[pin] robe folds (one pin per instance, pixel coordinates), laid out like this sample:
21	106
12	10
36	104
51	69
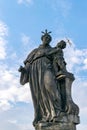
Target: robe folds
44	89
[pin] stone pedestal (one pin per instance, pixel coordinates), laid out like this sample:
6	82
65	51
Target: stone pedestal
58	126
66	123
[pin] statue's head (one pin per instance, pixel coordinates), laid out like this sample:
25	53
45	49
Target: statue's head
61	44
46	37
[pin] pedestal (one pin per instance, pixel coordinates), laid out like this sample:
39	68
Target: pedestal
67	123
58	126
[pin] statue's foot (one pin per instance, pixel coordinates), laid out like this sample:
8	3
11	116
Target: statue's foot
35	122
51	119
45	119
60	118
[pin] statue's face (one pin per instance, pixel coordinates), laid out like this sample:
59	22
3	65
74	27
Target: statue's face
46	40
63	46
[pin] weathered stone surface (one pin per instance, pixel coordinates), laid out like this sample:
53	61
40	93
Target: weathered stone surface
57	126
67	122
50	85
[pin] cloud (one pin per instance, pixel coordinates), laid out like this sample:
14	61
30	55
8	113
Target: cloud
4	105
10	89
18	118
12	121
26	127
85	64
27	44
3	29
3	41
65	7
26	2
76	58
62	6
79	94
82	127
25	39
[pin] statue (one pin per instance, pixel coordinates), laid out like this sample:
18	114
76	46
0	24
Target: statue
50	84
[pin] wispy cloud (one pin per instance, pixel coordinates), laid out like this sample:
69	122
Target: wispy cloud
26	127
10	89
5	105
81	127
12	121
25	39
3	29
3	41
65	7
26	2
85	63
76	58
27	44
62	6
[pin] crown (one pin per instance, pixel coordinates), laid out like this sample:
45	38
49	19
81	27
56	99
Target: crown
46	33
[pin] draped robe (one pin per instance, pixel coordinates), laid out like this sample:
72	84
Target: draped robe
44	89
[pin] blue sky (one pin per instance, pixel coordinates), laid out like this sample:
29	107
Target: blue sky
21	23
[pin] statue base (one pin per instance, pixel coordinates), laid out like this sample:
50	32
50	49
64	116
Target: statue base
67	123
57	126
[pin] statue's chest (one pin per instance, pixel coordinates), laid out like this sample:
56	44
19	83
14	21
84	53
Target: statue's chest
41	52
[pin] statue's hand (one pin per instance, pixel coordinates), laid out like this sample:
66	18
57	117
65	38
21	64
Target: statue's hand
21	69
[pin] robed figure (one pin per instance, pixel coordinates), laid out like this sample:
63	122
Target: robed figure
40	70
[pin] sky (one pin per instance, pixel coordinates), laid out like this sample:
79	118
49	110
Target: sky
21	23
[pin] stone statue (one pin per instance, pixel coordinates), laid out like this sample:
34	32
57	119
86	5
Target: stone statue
50	85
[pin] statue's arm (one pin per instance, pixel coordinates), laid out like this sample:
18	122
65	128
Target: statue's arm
53	51
24	77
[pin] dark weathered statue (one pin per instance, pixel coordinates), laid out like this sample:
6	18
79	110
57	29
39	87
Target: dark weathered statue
50	84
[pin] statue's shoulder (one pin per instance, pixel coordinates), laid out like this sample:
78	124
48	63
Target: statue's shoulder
31	55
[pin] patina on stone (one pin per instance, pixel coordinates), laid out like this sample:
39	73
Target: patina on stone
50	85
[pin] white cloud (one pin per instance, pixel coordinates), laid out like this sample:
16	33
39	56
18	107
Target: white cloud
11	89
27	44
26	127
79	92
4	105
3	29
3	41
64	6
12	121
85	64
26	2
76	59
82	127
25	39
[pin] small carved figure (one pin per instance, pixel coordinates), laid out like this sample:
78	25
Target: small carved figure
58	60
